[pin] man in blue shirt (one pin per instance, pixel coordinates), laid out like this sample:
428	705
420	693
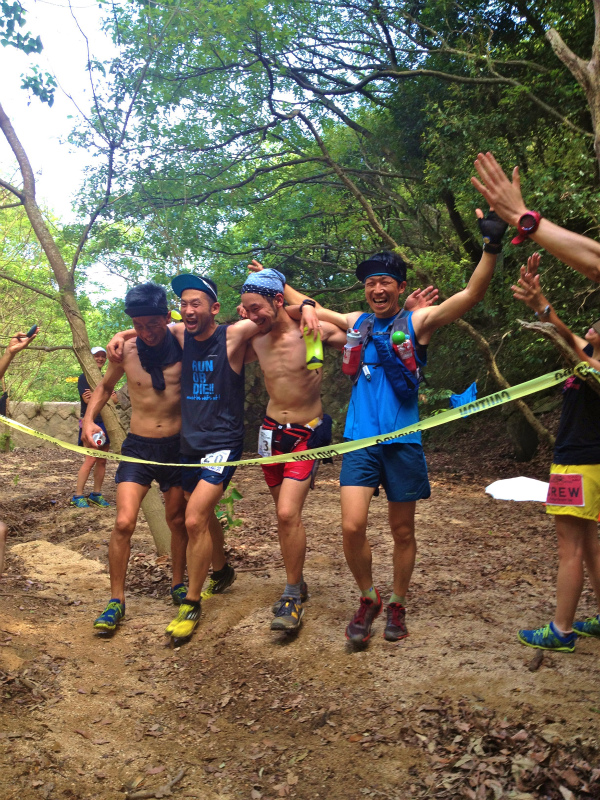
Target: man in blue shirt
378	407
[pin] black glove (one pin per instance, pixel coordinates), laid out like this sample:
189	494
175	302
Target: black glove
492	229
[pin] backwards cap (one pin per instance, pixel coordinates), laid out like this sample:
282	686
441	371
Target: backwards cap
189	281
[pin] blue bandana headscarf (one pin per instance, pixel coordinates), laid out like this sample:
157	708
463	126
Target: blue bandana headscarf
268	282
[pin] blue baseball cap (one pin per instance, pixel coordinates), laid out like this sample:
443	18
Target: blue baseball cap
189	281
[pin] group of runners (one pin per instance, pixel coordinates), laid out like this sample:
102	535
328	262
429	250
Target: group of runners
186	386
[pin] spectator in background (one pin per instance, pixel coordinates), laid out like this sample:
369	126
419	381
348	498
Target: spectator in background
18	342
79	500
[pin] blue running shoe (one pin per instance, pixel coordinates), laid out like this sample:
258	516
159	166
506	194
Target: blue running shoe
289	616
589	627
178	594
97	499
111	616
548	638
79	501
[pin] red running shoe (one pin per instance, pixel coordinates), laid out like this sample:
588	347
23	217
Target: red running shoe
395	627
359	630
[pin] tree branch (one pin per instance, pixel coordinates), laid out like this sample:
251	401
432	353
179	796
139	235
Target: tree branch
6	277
12	190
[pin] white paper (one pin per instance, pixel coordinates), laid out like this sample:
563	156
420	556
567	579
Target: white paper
216	458
521	489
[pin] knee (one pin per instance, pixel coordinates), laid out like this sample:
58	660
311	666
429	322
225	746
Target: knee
403	534
196	524
288	517
176	522
124	525
353	529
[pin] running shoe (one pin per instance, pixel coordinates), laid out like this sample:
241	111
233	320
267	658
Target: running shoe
395	627
303	598
359	630
217	585
589	627
185	622
97	499
178	594
111	616
289	616
79	501
548	638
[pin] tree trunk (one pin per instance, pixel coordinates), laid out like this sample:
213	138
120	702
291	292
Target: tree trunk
68	300
486	351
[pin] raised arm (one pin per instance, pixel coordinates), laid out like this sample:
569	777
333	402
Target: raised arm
100	397
17	343
428	320
578	252
528	290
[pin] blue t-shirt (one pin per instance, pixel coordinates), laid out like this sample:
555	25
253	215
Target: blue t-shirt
374	408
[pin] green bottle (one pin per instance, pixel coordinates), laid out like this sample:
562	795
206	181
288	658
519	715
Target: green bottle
314	350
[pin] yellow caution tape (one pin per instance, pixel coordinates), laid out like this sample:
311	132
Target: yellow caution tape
491	401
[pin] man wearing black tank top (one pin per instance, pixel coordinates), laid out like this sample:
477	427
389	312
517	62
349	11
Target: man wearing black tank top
212	427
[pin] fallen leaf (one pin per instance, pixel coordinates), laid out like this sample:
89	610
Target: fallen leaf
292	779
83	733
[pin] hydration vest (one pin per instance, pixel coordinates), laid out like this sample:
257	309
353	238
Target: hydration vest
403	381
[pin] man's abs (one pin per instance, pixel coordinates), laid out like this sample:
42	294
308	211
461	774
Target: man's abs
155	414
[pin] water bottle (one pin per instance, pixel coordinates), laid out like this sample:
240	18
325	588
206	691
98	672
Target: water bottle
314	350
403	347
99	438
352	353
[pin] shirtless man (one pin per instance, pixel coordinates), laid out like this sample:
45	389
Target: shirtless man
152	364
294	422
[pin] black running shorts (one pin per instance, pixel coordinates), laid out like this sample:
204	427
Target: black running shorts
165	450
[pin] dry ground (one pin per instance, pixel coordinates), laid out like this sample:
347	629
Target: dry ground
456	710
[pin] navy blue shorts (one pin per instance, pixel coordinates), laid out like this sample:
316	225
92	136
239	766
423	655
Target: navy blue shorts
100	425
399	468
164	449
191	476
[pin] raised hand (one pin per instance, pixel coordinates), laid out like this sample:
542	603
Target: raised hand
421	298
502	195
255	266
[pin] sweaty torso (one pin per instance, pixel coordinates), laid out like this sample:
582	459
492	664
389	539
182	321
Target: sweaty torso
154	414
294	391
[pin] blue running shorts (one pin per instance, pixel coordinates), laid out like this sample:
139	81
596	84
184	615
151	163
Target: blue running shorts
399	468
191	476
164	449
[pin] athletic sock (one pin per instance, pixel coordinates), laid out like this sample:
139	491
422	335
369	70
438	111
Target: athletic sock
370	593
293	590
220	573
395	598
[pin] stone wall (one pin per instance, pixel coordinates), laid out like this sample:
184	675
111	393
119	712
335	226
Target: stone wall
56	419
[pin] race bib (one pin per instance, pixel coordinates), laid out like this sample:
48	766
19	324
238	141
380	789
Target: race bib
265	443
565	490
218	457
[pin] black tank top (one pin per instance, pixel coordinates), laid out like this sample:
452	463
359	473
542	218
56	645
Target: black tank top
212	396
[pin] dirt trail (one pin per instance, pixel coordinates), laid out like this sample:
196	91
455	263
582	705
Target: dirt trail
252	714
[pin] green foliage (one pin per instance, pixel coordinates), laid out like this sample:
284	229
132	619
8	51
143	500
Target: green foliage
225	511
38	82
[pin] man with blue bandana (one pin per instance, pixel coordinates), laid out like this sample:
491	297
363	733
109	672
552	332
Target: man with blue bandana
384	399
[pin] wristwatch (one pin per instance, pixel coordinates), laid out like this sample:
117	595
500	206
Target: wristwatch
544	313
528	224
308	302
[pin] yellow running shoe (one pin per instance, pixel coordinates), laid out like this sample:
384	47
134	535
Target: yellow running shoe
185	622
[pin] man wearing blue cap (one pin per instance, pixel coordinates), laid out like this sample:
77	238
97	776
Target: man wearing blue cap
391	350
294	421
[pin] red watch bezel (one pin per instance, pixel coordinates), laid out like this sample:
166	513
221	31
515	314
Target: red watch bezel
525	233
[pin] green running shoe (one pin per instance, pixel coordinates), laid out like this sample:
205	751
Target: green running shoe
548	638
219	581
97	499
178	594
185	623
111	616
303	598
589	627
289	616
79	501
